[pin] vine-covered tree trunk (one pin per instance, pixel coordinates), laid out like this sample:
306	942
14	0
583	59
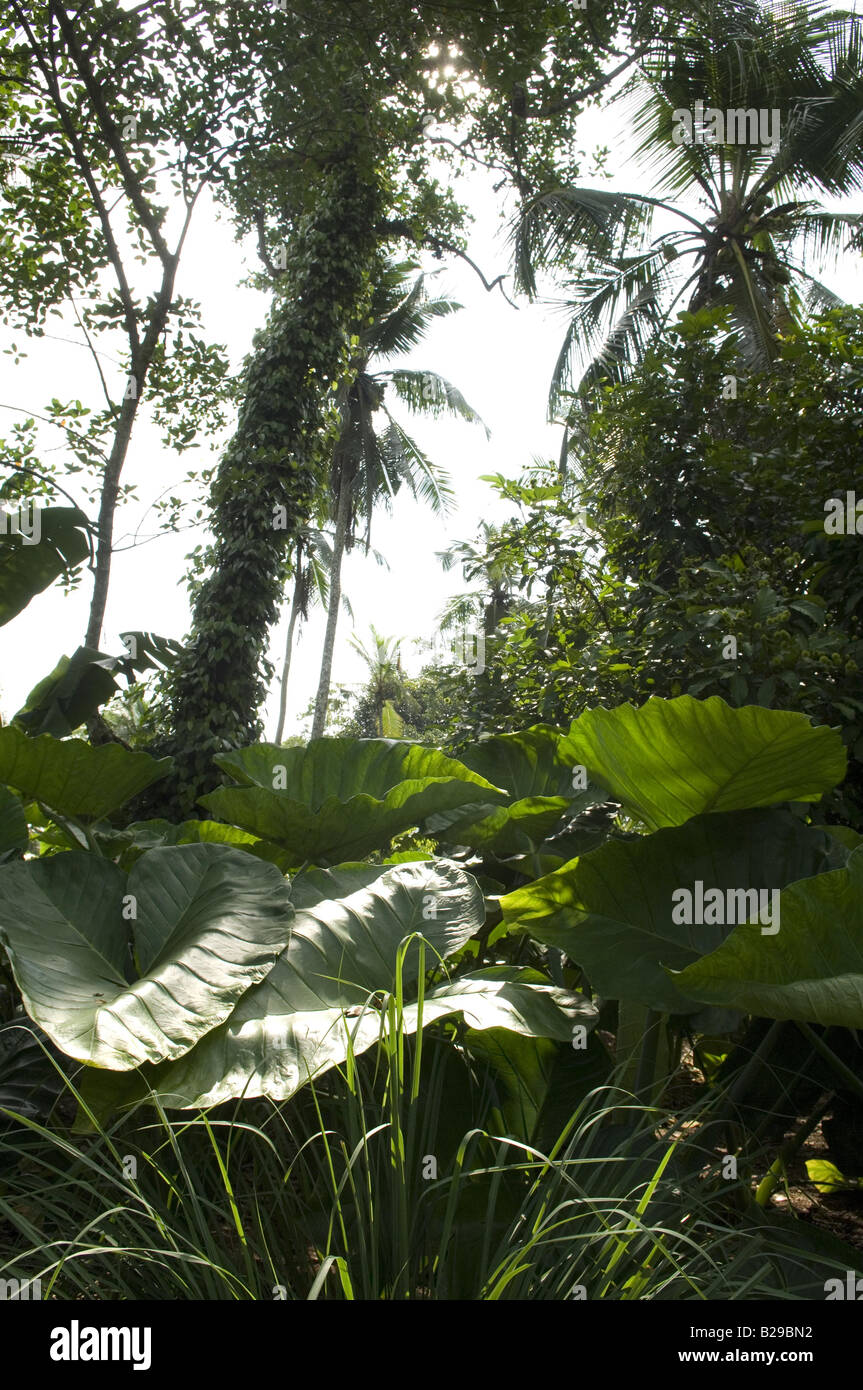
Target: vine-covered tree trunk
270	463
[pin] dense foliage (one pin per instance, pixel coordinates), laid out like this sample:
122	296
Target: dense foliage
535	978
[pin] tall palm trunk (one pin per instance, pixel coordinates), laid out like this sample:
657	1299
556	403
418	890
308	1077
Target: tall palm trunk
342	519
289	643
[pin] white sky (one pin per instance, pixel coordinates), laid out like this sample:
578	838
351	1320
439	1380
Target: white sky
499	357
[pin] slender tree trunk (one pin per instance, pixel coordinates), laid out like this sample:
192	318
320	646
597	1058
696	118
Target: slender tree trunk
289	645
342	517
141	363
107	508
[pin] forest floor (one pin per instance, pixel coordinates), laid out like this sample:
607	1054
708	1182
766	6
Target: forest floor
839	1212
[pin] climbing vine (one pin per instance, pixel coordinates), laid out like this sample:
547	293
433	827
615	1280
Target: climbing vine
262	492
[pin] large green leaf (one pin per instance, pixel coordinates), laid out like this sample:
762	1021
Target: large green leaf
141	836
811	970
318	999
536	762
342	768
348	926
503	996
506	830
65	698
612	911
670	760
206	922
73	778
26	569
342	798
536	768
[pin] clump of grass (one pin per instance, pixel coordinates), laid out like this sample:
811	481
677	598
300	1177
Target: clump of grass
388	1178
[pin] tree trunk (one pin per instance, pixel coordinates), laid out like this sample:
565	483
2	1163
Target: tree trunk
141	363
342	519
107	508
289	645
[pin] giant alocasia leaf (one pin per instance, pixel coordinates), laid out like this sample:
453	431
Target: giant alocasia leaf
127	845
314	1004
535	762
811	970
206	922
340	799
536	768
612	910
670	760
344	767
73	778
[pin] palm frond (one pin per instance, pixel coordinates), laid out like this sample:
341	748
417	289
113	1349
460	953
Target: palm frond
629	339
402	322
428	393
826	234
558	228
460	611
405	462
752	302
638	283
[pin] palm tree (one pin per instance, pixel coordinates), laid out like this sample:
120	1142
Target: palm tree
311	565
744	249
383	658
481	560
369	467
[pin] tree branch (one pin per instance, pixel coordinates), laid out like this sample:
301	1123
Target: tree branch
109	130
556	108
53	86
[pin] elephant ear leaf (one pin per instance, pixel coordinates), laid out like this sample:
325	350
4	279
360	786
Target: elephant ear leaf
619	912
536	762
314	1004
810	970
670	760
540	769
206	921
341	799
344	767
73	778
318	1002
